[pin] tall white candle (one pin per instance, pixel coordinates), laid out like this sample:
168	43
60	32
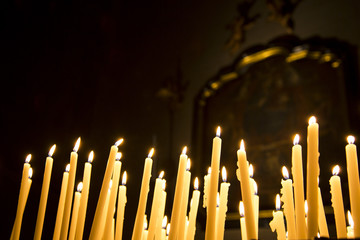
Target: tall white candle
184	202
75	211
121	208
163	229
224	191
206	188
161	211
242	221
288	200
278	221
323	228
193	211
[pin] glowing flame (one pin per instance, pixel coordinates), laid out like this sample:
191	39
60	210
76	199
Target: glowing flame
145	223
217	199
164	185
30	172
161	175
28	158
167	229
255	188
118	156
251	170
110	184
296	139
351	139
188	164
79	187
350	219
209	170
242	145
118	142
223	174
67	168
312	120
218	131
184	150
151	153
91	157
52	150
196	183
241	209
77	145
277	202
124	178
336	170
306	207
285	172
164	222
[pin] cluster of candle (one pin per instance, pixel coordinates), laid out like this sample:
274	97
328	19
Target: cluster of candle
300	223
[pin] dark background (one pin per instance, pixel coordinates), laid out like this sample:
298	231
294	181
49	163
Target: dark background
95	68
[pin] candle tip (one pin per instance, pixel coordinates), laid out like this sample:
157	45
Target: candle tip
336	170
242	145
52	150
118	142
241	209
188	164
223	174
164	185
91	157
217	199
285	172
167	229
28	158
251	170
350	219
255	188
124	178
161	175
77	145
351	139
306	207
209	170
118	156
218	131
184	150
151	153
30	172
312	120
196	184
278	202
67	168
79	187
296	139
164	222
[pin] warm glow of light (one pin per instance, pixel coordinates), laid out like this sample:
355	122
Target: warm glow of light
67	168
277	202
336	170
217	199
164	222
118	142
124	178
91	157
242	145
312	120
306	207
28	158
110	184
184	150
77	145
223	174
251	170
188	164
167	229
118	156
351	139
209	170
285	172
218	131
161	174
52	150
255	188
164	185
151	153
145	223
79	187
241	209
318	235
350	219
196	183
296	139
30	172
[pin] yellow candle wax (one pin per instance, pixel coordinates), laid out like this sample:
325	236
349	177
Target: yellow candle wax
44	194
184	202
145	230
256	209
206	188
246	192
121	208
163	230
60	210
213	188
167	231
224	191
323	228
350	228
139	219
217	213
84	197
298	178
75	211
337	203
178	195
161	211
155	206
99	212
277	224
193	211
103	217
69	191
288	200
353	181
312	176
242	221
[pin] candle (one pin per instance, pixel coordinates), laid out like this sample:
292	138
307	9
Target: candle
104	189
246	192
44	194
60	210
84	197
306	208
323	228
213	188
69	191
255	198
184	202
224	190
178	195
75	211
337	203
312	175
106	207
350	228
353	181
155	206
167	231
113	195
121	208
139	220
297	172
278	221
288	200
217	212
193	211
161	211
206	188
163	229
242	221
145	232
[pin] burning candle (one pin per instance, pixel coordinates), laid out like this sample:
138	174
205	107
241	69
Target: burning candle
161	210
60	210
163	229
206	188
121	208
256	208
297	172
75	211
213	187
139	220
104	190
224	190
193	211
145	231
288	200
350	228
167	231
354	184
242	221
312	175
184	202
337	203
323	228
278	221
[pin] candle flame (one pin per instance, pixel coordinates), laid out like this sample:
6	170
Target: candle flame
209	170
318	234
312	120
118	156
164	222
151	153
336	170
217	199
161	174
350	219
255	188
285	172
110	184
188	164
277	202
67	168
124	178
145	223
218	131
184	150
241	209
118	142
77	145
242	145
351	139
164	185
28	158
306	207
167	229
91	157
52	150
251	170
30	172
79	187
296	139
196	183
223	174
